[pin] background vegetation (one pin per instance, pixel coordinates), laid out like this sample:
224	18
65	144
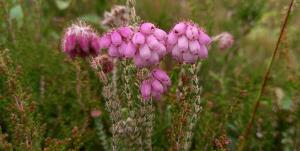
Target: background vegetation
45	103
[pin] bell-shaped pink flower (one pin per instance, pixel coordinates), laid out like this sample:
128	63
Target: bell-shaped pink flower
147	28
146	89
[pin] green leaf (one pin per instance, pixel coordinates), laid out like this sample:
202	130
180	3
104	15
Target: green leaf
16	13
63	4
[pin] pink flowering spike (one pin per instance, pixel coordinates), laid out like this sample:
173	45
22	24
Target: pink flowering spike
152	42
176	53
138	39
147	28
189	58
160	34
161	76
116	38
179	28
203	52
130	50
194	47
105	41
154	59
126	32
172	38
183	43
113	51
95	44
146	90
70	42
204	39
138	61
83	40
226	41
156	95
157	86
145	52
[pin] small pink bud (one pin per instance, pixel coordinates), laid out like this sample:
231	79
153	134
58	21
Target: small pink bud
204	39
192	33
152	42
95	44
138	38
145	52
122	48
156	95
203	52
179	28
113	51
105	41
83	40
126	32
183	43
146	90
116	38
160	34
161	76
162	50
130	50
172	38
226	41
176	53
157	86
70	43
95	113
138	61
154	59
147	28
194	46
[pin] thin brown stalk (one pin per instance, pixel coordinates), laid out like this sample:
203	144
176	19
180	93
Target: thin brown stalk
247	131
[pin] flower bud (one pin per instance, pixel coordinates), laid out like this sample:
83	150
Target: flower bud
147	28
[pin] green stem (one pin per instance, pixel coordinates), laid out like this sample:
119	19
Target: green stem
247	131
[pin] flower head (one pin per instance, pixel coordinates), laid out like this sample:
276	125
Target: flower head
80	40
187	42
156	85
118	42
150	43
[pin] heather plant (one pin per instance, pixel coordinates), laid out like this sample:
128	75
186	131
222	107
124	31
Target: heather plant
149	75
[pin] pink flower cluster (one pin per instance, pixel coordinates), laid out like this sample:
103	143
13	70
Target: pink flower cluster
156	85
150	43
226	41
187	42
80	40
146	46
118	42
